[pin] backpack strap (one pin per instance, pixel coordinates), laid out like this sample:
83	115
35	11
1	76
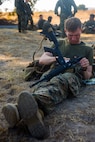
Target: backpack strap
38	49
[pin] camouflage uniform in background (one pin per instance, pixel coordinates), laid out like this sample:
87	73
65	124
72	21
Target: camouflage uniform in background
29	14
40	22
21	13
89	26
47	24
66	84
65	12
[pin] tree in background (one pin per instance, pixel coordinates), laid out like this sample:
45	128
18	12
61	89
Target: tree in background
82	7
0	2
32	2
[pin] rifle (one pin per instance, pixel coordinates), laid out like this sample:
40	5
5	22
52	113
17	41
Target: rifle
56	52
57	70
48	32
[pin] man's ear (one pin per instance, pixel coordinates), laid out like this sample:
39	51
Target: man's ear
65	31
81	30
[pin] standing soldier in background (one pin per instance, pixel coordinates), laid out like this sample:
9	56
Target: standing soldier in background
65	12
21	13
29	13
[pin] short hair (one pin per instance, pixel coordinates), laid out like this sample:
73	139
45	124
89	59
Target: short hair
49	18
92	15
71	24
40	15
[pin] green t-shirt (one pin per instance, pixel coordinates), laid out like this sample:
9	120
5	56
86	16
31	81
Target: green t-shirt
79	50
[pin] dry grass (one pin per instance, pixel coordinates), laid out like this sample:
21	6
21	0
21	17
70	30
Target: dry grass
83	15
73	120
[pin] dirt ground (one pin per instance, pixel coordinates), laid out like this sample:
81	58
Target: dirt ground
72	121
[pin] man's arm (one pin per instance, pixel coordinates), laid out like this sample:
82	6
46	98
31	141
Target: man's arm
86	67
74	6
47	58
56	7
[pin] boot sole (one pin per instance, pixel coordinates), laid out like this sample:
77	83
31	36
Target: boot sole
28	109
11	114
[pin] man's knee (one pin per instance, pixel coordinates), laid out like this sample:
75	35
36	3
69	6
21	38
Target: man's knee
73	83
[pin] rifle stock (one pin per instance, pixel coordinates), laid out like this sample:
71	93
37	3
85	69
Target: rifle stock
55	51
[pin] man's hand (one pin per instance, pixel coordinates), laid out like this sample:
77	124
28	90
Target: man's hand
86	67
84	63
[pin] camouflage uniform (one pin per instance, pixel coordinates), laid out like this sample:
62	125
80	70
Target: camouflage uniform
29	12
65	12
20	9
89	27
49	94
47	24
40	22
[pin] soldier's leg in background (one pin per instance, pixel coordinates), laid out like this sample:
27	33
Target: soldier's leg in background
23	22
30	25
62	19
19	23
31	21
26	21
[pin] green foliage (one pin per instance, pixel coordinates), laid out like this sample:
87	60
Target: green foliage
32	2
82	7
11	13
0	2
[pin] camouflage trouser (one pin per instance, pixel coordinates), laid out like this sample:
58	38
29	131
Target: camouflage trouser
30	19
21	20
63	17
49	94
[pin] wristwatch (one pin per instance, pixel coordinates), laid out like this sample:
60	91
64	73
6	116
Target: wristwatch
84	68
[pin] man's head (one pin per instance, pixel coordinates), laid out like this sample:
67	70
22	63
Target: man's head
72	27
49	18
40	16
92	17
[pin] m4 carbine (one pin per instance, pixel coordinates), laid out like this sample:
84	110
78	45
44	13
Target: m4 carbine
56	52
